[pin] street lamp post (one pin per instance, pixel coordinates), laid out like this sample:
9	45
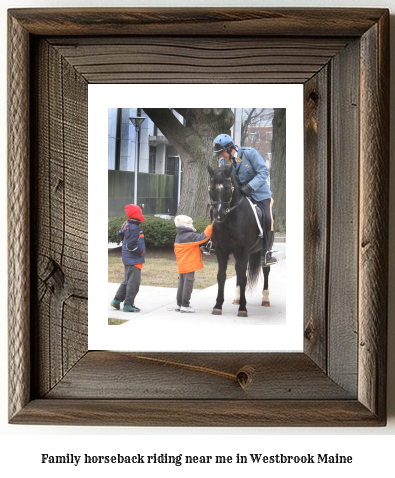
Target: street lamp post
137	121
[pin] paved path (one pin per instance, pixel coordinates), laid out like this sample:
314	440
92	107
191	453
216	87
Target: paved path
157	303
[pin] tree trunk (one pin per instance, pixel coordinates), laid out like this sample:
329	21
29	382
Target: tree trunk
278	168
194	143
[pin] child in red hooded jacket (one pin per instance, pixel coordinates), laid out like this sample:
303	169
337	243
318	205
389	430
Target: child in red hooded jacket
133	258
189	258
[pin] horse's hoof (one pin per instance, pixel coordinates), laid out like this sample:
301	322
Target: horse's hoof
266	303
236	302
242	313
216	312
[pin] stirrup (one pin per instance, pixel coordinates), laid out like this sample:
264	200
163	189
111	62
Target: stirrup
269	261
208	248
205	250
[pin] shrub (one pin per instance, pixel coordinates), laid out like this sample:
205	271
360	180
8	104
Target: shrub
157	231
114	225
200	224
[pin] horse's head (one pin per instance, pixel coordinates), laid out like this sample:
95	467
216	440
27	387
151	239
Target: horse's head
221	189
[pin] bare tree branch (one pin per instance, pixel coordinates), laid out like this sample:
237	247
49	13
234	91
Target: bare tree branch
166	119
255	116
182	111
170	126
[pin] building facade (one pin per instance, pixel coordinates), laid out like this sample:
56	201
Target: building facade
152	153
260	138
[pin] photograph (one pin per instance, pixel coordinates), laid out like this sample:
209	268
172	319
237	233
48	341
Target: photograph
161	193
202	228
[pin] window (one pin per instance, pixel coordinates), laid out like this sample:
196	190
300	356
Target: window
152	159
172	165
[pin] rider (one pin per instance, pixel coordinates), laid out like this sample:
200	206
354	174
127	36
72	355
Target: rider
252	174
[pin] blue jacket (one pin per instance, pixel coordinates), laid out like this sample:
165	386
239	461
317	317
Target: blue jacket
133	244
251	169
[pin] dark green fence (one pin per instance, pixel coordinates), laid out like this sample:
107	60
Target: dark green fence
158	192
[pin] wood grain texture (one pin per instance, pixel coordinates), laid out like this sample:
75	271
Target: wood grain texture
202	413
316	214
66	384
196	376
255	22
18	207
343	222
61	200
374	222
192	60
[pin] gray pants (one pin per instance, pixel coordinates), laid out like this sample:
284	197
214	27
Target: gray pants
185	288
130	286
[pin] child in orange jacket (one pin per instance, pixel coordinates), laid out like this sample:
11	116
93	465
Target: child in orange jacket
189	258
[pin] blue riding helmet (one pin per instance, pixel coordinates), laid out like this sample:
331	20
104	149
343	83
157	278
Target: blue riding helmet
223	142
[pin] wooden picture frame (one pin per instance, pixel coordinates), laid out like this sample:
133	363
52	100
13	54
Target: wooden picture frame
342	58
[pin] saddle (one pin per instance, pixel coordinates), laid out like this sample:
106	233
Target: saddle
260	217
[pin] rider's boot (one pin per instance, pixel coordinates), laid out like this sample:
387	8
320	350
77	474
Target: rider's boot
267	254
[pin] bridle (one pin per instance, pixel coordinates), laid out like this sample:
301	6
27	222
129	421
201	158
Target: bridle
226	203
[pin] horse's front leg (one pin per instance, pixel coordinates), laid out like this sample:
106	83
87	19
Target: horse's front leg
265	292
241	272
222	259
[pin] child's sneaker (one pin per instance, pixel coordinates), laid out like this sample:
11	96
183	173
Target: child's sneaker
116	303
177	308
187	309
130	308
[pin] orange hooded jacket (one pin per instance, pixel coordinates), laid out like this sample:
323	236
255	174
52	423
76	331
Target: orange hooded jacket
186	248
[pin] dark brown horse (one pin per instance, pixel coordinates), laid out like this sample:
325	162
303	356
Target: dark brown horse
235	232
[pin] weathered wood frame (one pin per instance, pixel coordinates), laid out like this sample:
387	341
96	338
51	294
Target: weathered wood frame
342	58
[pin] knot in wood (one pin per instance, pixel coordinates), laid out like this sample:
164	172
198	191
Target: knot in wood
244	376
313	96
308	332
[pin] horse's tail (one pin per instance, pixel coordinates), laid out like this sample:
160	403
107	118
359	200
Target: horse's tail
254	269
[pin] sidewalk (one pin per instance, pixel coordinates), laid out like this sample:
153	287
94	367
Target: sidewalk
157	303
